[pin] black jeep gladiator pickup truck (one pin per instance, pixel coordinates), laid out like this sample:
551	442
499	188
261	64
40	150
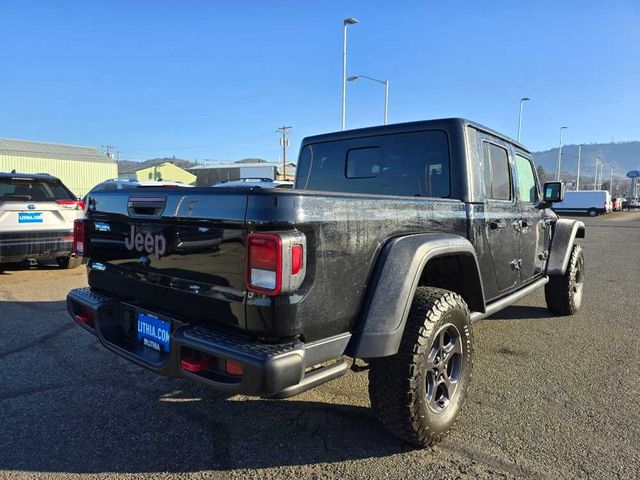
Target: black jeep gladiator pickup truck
394	241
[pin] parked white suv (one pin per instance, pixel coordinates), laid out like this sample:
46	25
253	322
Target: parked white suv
36	219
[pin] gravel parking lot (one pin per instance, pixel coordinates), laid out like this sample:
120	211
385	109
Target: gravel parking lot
551	397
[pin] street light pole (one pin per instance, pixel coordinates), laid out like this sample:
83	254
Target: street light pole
611	182
578	175
345	23
386	91
560	154
386	101
595	178
599	182
522	100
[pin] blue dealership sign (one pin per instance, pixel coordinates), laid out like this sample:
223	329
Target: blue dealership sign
633	174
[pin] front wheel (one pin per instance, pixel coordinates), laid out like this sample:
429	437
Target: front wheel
563	293
593	212
418	393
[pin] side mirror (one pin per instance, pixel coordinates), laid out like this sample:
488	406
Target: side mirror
553	192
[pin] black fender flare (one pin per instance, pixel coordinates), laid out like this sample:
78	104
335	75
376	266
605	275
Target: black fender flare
393	284
565	232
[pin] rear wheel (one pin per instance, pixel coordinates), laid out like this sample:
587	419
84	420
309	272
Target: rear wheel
418	393
593	212
69	262
563	293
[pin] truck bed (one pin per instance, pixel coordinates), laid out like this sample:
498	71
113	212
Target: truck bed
201	274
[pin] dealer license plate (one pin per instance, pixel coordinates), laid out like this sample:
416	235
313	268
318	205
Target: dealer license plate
154	332
29	217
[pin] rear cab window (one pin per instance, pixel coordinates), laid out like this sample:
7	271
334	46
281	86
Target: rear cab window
33	189
406	164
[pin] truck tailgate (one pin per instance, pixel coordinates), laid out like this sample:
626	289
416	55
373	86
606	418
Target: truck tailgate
180	250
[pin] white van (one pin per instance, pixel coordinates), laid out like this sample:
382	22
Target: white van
591	202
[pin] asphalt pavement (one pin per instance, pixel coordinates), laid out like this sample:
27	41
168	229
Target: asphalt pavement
551	397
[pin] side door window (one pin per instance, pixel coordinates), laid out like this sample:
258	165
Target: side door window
531	225
527	184
500	214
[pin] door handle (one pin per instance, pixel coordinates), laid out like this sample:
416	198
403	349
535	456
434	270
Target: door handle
496	224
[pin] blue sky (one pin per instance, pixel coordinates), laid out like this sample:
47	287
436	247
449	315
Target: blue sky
214	79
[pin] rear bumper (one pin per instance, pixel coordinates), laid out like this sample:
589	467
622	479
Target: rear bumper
15	247
268	369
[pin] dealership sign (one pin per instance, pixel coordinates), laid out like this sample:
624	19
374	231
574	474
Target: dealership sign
633	174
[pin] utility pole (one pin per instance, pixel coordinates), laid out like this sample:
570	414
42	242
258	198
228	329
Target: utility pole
578	176
595	177
108	150
284	142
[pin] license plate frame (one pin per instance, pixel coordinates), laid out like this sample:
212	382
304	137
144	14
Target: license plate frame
153	331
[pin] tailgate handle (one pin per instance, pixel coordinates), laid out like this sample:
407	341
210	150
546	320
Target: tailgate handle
146	206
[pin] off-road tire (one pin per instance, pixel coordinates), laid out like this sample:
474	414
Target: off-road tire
69	262
398	384
564	293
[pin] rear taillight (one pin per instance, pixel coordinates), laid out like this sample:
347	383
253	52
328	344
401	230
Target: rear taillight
275	262
71	204
80	237
265	263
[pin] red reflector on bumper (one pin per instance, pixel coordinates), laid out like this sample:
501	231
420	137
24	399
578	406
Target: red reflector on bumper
192	365
84	318
234	367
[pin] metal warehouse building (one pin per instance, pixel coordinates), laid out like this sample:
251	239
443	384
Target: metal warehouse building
79	168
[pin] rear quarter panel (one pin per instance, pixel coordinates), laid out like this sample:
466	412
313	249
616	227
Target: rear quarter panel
345	233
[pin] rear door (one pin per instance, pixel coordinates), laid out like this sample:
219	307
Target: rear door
534	231
501	213
36	204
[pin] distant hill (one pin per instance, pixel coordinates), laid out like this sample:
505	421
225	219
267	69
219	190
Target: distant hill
623	156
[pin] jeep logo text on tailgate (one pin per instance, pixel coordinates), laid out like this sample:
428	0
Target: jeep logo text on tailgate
145	242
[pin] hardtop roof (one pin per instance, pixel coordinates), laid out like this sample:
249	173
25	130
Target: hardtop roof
445	123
